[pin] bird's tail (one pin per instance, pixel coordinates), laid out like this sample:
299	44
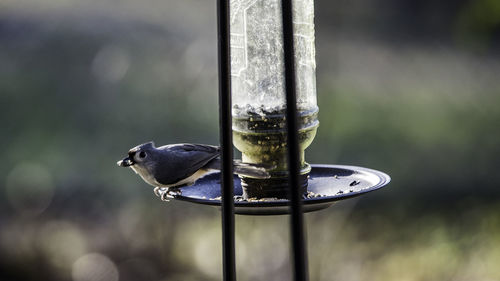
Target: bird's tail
259	171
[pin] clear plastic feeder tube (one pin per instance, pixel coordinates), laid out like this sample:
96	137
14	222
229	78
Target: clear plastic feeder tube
258	88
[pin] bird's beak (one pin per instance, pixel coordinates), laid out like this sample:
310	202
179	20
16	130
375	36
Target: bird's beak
126	162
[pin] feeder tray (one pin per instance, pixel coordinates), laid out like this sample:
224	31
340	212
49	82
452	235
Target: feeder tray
327	184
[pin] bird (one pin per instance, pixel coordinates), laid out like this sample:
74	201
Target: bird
172	166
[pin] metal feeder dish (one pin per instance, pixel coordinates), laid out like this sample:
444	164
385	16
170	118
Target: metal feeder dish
327	184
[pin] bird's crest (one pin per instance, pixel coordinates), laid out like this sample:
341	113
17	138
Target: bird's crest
146	145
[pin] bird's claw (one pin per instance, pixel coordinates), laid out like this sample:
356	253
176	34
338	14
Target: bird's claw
170	194
174	192
166	193
159	191
164	196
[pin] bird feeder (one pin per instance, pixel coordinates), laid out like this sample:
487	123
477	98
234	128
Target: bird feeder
258	86
267	105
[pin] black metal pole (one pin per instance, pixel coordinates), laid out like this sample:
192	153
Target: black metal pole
226	140
297	219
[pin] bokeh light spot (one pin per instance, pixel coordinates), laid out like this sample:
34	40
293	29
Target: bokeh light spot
110	64
94	267
62	243
207	257
29	188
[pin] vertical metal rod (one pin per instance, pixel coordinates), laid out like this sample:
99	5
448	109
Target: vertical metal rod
297	219
226	140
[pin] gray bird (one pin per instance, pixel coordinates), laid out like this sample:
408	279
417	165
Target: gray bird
176	165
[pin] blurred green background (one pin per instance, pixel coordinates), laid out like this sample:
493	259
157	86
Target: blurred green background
408	87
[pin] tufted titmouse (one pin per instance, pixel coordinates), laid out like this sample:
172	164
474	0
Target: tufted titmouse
177	165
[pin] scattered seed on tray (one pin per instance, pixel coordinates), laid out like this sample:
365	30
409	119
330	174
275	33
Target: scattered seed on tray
355	183
239	198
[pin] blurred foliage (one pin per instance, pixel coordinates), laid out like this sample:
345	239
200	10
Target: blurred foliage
478	24
407	87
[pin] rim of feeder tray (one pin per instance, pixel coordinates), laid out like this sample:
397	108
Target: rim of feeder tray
327	184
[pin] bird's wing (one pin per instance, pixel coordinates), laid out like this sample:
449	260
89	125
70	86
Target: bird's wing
196	154
183	160
195	147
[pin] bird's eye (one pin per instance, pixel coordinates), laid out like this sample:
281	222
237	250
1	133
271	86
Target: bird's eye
142	154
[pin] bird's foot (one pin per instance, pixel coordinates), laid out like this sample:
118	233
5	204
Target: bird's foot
159	191
174	192
166	193
162	192
165	197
